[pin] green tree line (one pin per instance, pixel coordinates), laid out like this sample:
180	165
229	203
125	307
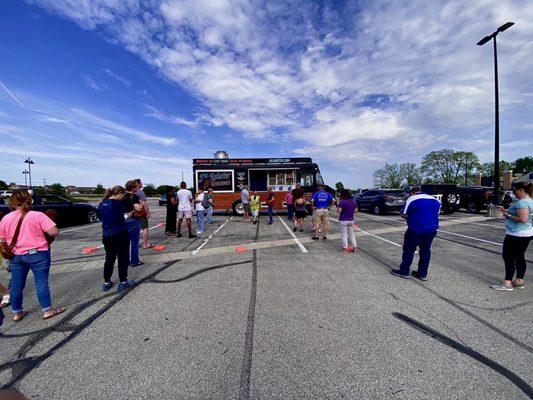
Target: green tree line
445	166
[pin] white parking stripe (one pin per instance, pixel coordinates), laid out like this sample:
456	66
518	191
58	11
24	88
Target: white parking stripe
207	239
371	234
471	237
78	228
300	245
153	227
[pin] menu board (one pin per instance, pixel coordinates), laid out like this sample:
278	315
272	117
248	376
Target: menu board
220	181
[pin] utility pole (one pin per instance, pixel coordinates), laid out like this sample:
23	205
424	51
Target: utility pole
25	177
29	161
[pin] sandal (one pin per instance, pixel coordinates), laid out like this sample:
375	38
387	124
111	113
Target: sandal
19	316
5	301
55	311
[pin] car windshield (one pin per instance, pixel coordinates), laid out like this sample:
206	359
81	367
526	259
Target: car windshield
394	192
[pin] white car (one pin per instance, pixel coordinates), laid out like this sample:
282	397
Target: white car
5	194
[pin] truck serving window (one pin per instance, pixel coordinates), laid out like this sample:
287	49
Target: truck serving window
306	179
280	178
319	180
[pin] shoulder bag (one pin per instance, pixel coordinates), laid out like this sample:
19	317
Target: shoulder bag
7	250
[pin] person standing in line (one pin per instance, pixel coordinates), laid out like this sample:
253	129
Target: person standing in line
200	204
245	200
172	209
422	214
4	292
290	206
270	204
255	205
300	211
518	234
297	193
144	220
346	209
211	205
132	205
185	200
322	201
28	234
115	237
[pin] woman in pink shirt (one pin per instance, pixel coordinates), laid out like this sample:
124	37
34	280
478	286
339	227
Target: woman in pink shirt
32	252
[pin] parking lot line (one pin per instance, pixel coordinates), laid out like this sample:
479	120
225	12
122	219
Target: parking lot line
471	237
300	245
79	228
207	239
371	234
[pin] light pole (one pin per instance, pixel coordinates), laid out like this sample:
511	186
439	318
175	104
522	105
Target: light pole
29	161
496	110
25	177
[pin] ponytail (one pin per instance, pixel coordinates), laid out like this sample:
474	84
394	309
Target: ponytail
525	186
114	191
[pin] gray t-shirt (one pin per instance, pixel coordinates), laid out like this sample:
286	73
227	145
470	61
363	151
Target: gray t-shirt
140	194
245	196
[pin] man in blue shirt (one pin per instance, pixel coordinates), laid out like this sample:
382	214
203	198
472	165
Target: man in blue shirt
322	201
422	214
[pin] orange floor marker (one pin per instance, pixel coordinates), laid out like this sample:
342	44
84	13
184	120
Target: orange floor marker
240	249
356	226
159	247
88	250
160	224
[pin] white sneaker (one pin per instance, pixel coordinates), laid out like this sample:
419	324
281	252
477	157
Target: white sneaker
199	232
502	287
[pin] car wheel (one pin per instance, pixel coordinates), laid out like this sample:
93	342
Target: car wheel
238	208
472	207
376	209
92	217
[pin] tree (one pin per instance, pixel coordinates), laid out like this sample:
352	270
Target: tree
410	173
99	189
523	165
388	176
161	189
448	166
487	169
3	185
339	186
150	190
58	189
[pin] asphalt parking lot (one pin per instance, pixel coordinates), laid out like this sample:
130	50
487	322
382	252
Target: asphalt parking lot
251	312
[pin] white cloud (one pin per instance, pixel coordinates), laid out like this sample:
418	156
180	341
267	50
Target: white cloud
91	82
406	75
121	129
173	119
117	77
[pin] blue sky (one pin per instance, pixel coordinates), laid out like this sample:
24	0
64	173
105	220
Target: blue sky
105	90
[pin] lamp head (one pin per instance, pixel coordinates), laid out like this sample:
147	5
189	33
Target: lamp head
505	26
484	40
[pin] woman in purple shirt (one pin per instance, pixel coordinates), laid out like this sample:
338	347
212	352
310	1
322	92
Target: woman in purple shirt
347	208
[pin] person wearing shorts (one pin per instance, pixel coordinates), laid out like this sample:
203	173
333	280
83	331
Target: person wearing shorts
185	209
322	201
143	221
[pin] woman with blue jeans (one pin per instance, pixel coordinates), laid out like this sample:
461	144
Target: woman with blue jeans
131	202
31	252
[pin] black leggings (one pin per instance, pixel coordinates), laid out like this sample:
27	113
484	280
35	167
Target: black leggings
117	246
514	256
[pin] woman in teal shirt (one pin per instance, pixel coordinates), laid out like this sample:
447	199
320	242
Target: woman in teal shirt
518	234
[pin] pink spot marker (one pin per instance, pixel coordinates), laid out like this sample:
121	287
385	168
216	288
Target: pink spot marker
88	250
240	249
159	247
159	225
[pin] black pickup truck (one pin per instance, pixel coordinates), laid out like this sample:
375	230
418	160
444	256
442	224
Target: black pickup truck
63	211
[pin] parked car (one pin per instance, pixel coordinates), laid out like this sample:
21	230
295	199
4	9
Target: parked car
5	194
163	200
475	198
379	201
63	211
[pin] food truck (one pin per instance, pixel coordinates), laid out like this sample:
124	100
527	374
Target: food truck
228	176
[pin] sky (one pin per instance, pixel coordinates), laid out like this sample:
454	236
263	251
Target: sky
106	90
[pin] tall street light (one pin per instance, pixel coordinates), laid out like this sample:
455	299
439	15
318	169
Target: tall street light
29	161
25	177
496	110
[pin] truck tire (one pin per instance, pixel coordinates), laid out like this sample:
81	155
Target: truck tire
238	208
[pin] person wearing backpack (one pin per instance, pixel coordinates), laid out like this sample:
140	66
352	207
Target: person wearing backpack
211	205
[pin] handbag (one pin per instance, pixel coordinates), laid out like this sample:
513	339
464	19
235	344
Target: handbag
7	250
140	214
